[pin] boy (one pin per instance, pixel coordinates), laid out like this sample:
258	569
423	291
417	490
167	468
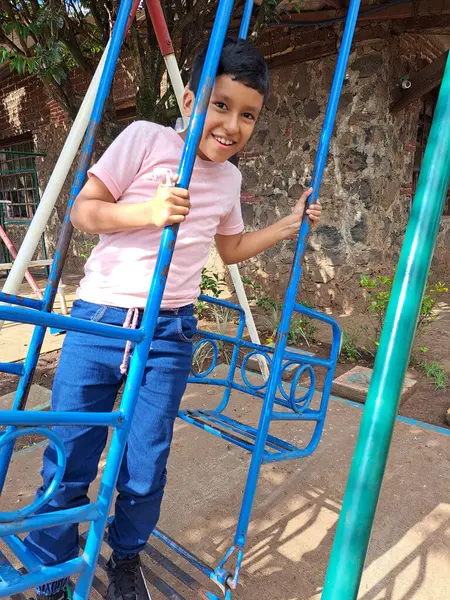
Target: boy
124	204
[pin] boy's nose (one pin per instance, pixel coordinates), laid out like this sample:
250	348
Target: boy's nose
231	125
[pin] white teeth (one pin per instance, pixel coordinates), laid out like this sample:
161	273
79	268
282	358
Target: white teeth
223	141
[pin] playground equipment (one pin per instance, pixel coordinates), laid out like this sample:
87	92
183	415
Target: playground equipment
264	447
66	158
277	403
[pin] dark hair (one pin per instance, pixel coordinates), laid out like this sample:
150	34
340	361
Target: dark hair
239	59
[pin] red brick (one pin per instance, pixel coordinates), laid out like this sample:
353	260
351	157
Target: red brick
249	198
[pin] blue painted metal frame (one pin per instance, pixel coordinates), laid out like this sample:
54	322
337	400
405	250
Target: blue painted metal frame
246	18
64	237
258	440
264	447
97	512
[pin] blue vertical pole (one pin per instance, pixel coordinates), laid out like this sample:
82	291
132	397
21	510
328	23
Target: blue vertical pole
288	306
66	231
157	287
246	18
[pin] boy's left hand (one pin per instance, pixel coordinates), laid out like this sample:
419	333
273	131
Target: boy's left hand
313	212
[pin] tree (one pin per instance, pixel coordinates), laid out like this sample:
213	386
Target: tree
50	38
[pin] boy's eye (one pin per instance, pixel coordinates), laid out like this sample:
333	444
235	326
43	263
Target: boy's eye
249	116
220	105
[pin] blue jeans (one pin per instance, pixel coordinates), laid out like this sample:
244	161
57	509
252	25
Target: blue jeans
88	379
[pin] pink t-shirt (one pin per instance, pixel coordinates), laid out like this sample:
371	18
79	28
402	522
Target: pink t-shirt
120	268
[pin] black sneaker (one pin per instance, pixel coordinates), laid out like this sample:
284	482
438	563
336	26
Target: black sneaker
64	594
126	581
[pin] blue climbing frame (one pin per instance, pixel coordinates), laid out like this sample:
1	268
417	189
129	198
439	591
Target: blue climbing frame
279	400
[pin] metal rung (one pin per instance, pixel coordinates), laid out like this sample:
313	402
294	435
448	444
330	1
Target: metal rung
176	571
21	301
31	563
12	368
45	319
235	432
26	557
8	574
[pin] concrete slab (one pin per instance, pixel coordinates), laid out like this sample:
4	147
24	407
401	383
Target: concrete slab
296	508
354	384
38	398
15	337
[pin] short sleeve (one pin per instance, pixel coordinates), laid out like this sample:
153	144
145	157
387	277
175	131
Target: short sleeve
121	162
232	223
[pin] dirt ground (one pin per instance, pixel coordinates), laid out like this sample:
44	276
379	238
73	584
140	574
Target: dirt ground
296	509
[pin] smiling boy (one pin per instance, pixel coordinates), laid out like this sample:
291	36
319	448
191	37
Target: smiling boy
123	203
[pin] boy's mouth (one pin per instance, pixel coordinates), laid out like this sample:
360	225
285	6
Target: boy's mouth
223	141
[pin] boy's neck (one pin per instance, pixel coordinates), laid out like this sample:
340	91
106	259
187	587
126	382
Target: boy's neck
200	154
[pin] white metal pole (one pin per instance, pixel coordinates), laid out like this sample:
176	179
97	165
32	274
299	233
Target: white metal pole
177	82
243	301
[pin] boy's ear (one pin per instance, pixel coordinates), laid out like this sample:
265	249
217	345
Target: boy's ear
188	101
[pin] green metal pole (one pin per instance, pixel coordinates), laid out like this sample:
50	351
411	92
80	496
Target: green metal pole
369	462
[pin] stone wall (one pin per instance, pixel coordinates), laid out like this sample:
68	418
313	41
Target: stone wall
366	190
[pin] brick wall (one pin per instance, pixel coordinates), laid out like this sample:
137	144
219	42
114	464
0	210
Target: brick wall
24	105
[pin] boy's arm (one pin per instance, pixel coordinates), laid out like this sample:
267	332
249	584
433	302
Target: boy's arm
237	248
96	211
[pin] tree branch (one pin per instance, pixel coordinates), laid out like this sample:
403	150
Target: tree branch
190	17
71	42
100	20
11	45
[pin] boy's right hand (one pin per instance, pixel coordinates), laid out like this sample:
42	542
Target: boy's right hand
170	205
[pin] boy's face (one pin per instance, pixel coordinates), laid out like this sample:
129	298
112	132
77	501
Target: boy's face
232	113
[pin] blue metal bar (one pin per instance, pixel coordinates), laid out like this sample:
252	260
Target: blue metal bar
40	318
193	136
39	502
159	279
255	393
295	356
200	565
271	441
46	574
291	293
220	302
304	416
239	428
246	18
80	514
300	453
66	231
221	434
12	368
28	418
315	314
26	557
8	573
20	301
176	571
